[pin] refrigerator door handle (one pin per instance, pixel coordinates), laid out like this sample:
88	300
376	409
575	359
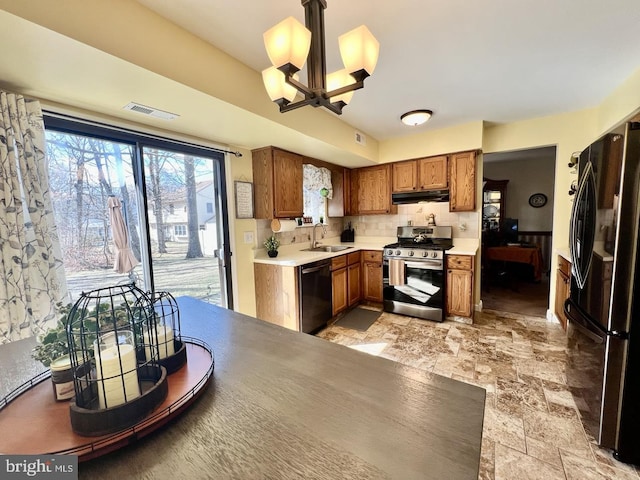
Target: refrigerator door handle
582	246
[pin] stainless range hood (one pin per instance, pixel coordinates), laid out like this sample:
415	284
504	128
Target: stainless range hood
418	197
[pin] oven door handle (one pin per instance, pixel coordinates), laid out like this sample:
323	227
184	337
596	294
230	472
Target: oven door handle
425	264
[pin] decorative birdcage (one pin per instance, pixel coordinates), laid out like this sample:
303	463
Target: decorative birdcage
165	336
115	383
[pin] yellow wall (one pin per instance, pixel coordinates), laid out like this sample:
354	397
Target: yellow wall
433	142
242	258
620	105
150	41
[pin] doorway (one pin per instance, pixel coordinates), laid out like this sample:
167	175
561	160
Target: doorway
517	220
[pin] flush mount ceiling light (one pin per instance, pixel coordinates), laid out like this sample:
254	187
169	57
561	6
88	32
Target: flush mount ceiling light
416	117
289	44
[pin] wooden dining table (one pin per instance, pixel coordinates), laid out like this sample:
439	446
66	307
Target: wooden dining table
287	405
531	255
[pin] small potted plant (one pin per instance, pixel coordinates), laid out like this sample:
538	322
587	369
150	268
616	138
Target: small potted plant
272	244
53	344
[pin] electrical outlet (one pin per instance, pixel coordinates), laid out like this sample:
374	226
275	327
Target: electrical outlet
248	237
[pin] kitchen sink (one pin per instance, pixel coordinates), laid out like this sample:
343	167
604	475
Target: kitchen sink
327	248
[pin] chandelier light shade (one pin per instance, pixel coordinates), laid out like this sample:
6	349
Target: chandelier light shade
289	44
359	50
339	79
276	85
416	117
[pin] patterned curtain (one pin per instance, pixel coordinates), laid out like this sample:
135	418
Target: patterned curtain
317	178
32	279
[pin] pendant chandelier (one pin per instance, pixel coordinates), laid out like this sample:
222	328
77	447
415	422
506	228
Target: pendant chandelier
289	44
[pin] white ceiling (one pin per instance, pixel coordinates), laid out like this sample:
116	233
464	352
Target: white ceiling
497	60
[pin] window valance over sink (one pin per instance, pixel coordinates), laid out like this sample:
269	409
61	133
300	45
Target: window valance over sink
315	179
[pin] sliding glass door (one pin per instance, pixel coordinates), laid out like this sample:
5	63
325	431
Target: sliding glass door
184	224
172	200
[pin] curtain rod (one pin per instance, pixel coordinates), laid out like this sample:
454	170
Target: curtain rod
64	116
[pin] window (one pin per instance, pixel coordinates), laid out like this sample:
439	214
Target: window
209	207
89	163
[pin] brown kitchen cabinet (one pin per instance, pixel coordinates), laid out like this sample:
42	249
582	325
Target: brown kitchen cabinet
339	289
563	288
373	190
277	294
345	281
462	182
405	176
277	181
612	146
372	275
422	174
459	286
340	203
432	173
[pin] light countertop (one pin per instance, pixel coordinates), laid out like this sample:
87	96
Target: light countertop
293	255
598	249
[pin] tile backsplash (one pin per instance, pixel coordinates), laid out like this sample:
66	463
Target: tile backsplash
464	224
302	234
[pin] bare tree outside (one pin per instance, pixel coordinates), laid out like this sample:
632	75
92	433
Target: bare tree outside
181	221
155	166
194	250
80	171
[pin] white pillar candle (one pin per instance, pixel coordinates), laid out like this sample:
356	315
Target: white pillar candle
164	339
115	382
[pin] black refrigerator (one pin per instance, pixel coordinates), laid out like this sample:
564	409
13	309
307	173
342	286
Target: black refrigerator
603	310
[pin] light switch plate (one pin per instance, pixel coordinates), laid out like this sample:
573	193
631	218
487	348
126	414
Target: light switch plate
248	237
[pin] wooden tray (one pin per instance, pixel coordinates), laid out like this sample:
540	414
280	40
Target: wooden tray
40	425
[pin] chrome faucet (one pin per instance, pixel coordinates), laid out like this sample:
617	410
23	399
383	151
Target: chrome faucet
315	243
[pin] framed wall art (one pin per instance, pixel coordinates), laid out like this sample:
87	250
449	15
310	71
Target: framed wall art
244	199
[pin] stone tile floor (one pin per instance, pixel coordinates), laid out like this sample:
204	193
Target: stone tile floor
531	426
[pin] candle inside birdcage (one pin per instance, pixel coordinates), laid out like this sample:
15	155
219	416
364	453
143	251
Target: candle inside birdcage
162	336
116	368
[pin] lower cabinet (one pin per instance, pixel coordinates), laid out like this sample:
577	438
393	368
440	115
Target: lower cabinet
372	275
277	294
460	285
563	289
353	283
345	281
339	290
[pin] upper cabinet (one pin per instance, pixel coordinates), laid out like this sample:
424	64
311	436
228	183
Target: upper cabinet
421	174
339	204
462	182
277	180
405	176
610	176
372	187
432	173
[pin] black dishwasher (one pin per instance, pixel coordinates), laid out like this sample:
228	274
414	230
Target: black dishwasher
315	295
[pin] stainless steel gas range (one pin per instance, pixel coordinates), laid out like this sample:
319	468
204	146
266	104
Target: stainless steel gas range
414	272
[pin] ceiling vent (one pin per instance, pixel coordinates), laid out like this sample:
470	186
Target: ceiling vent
153	112
360	138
